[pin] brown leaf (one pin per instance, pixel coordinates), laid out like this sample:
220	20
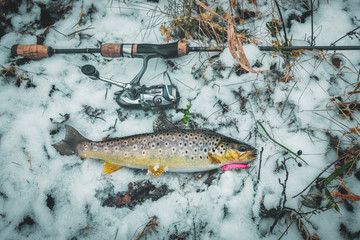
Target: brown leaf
41	38
354	198
236	49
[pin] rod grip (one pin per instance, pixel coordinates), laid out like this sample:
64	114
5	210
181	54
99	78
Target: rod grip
31	51
111	50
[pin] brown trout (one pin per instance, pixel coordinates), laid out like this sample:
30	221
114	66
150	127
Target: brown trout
171	150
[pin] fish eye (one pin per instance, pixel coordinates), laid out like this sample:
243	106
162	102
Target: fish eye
242	148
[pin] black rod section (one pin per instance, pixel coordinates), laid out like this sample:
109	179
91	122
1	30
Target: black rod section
80	50
205	49
322	48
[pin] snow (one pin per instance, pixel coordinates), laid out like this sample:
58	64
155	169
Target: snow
298	114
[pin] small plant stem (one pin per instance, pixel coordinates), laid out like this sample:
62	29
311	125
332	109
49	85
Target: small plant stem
347	34
316	178
261	152
282	21
279	144
312	22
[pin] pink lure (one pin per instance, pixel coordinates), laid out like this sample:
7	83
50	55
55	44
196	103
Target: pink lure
235	166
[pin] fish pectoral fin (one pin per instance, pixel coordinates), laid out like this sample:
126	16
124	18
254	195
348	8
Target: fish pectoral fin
156	171
110	167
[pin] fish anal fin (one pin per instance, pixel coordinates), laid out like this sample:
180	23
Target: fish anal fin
156	171
110	167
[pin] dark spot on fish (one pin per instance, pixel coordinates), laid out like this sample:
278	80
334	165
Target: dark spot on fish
213	149
158	144
192	157
200	157
185	144
196	138
205	150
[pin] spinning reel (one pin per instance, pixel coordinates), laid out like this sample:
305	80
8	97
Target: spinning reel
136	96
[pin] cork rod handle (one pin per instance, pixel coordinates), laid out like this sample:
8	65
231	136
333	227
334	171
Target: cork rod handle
111	50
31	51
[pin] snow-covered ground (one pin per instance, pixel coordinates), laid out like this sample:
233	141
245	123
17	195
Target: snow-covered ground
47	196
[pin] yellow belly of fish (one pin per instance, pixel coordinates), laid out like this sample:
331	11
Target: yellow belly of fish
154	162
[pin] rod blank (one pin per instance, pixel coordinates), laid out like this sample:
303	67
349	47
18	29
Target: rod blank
322	48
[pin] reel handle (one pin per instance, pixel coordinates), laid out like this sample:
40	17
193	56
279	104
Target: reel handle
90	71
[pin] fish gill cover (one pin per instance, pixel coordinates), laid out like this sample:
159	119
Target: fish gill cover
299	109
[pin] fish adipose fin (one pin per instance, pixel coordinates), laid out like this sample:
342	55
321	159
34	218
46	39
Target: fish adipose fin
162	123
68	146
110	167
156	171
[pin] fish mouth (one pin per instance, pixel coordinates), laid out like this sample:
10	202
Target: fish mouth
248	156
245	157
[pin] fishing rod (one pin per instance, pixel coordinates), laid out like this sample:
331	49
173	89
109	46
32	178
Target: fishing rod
134	95
169	50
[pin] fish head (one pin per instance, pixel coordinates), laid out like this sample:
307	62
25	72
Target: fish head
230	151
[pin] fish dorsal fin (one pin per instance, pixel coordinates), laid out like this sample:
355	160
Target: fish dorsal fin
110	167
73	136
162	123
156	171
68	146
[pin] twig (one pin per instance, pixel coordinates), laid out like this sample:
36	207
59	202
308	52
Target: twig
312	22
281	209
194	231
316	178
116	233
150	226
27	154
282	22
347	34
261	152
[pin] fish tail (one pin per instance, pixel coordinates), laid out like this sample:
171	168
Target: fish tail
68	146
